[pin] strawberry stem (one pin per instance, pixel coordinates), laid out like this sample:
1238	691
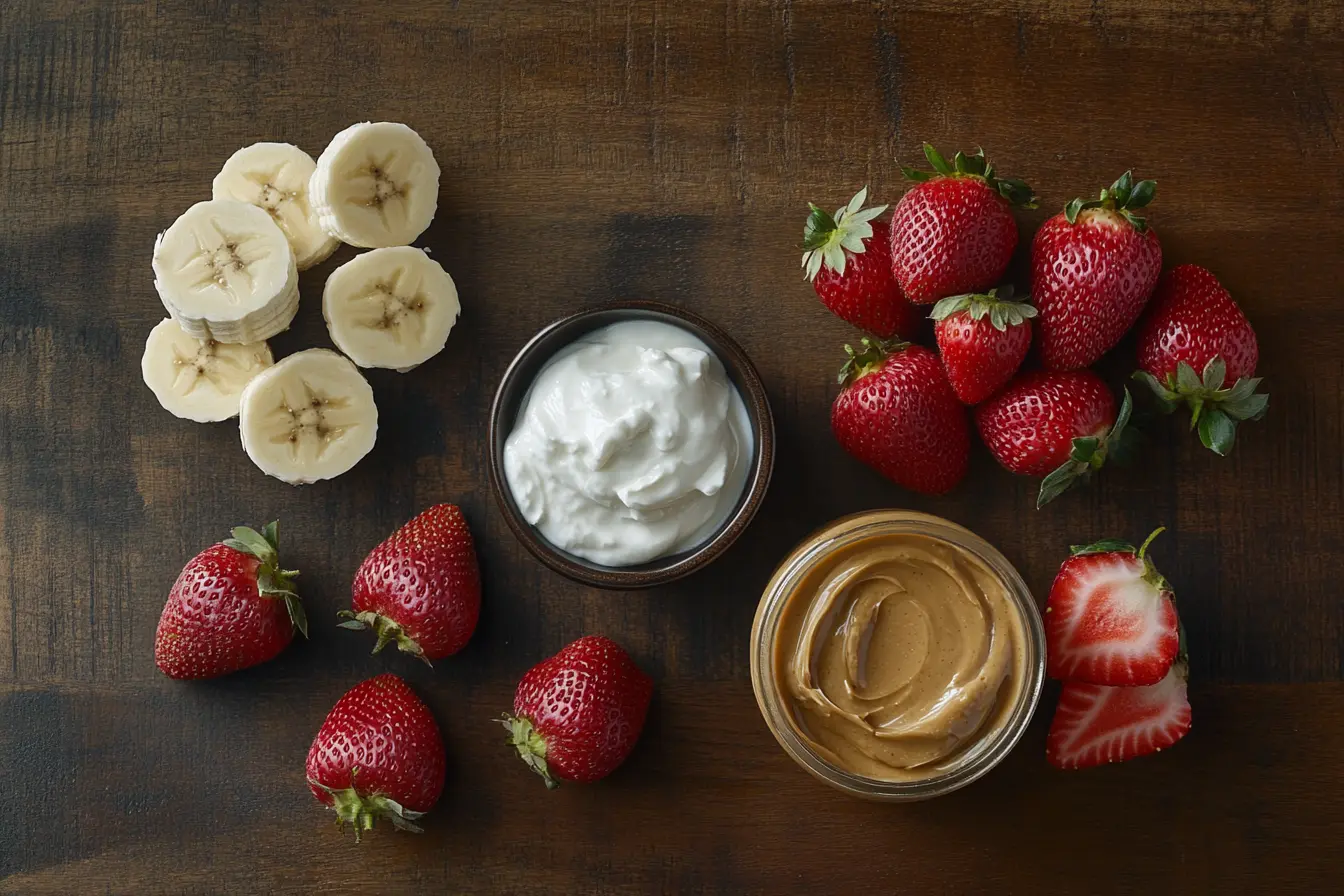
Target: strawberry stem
1123	196
977	166
868	358
1215	407
1088	455
996	303
531	746
827	238
360	811
1143	548
386	631
273	582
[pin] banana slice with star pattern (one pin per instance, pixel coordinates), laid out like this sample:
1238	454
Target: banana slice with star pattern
225	271
199	380
309	417
274	177
376	185
390	307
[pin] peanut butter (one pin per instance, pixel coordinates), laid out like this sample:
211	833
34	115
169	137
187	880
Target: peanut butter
898	654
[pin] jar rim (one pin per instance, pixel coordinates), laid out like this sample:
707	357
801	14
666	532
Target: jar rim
803	559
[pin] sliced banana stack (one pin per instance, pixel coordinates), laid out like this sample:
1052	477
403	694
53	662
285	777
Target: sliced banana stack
225	271
199	380
376	185
390	308
274	177
309	417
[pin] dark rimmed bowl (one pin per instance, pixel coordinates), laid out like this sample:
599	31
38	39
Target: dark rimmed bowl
513	390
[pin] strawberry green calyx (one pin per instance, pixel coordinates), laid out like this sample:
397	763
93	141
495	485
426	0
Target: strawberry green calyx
1089	453
360	812
1215	408
1123	196
868	358
386	631
996	303
273	582
977	166
1119	546
826	238
531	746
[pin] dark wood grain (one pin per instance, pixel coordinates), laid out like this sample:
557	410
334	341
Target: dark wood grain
594	152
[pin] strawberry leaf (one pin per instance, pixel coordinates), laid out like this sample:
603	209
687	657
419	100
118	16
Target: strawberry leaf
818	229
1143	193
1105	546
916	175
1252	407
1138	222
1167	398
250	541
1215	373
531	746
1186	378
1217	431
1121	188
937	161
1059	481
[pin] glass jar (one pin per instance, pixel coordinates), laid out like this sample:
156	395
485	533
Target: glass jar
969	762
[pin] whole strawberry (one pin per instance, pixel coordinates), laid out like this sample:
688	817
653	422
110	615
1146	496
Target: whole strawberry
897	413
1196	348
1060	425
1111	617
954	233
982	340
231	607
1093	268
421	587
577	715
379	754
847	256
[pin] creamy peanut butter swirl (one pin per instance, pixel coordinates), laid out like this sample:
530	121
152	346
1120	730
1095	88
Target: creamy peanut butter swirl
899	652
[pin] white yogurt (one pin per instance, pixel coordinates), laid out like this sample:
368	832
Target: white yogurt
632	444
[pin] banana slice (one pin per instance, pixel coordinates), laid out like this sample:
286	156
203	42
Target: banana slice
197	380
376	185
390	308
225	271
309	417
274	177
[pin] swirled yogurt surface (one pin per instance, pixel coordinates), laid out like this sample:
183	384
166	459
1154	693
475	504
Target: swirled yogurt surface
631	445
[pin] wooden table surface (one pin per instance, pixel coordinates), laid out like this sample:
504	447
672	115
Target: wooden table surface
594	152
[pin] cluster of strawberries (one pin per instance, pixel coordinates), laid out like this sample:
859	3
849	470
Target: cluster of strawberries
379	754
1113	635
1095	267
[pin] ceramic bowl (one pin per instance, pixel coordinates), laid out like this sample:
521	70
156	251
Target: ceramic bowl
513	391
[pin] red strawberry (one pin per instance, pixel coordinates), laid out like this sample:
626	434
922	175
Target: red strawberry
982	340
1093	267
1061	425
231	607
954	232
897	413
848	259
421	587
1111	617
1095	724
1193	343
379	754
577	715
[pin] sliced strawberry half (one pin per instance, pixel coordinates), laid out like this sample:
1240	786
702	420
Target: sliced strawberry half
1094	724
1111	617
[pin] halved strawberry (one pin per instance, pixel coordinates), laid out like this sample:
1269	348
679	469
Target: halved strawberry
1094	724
1111	617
